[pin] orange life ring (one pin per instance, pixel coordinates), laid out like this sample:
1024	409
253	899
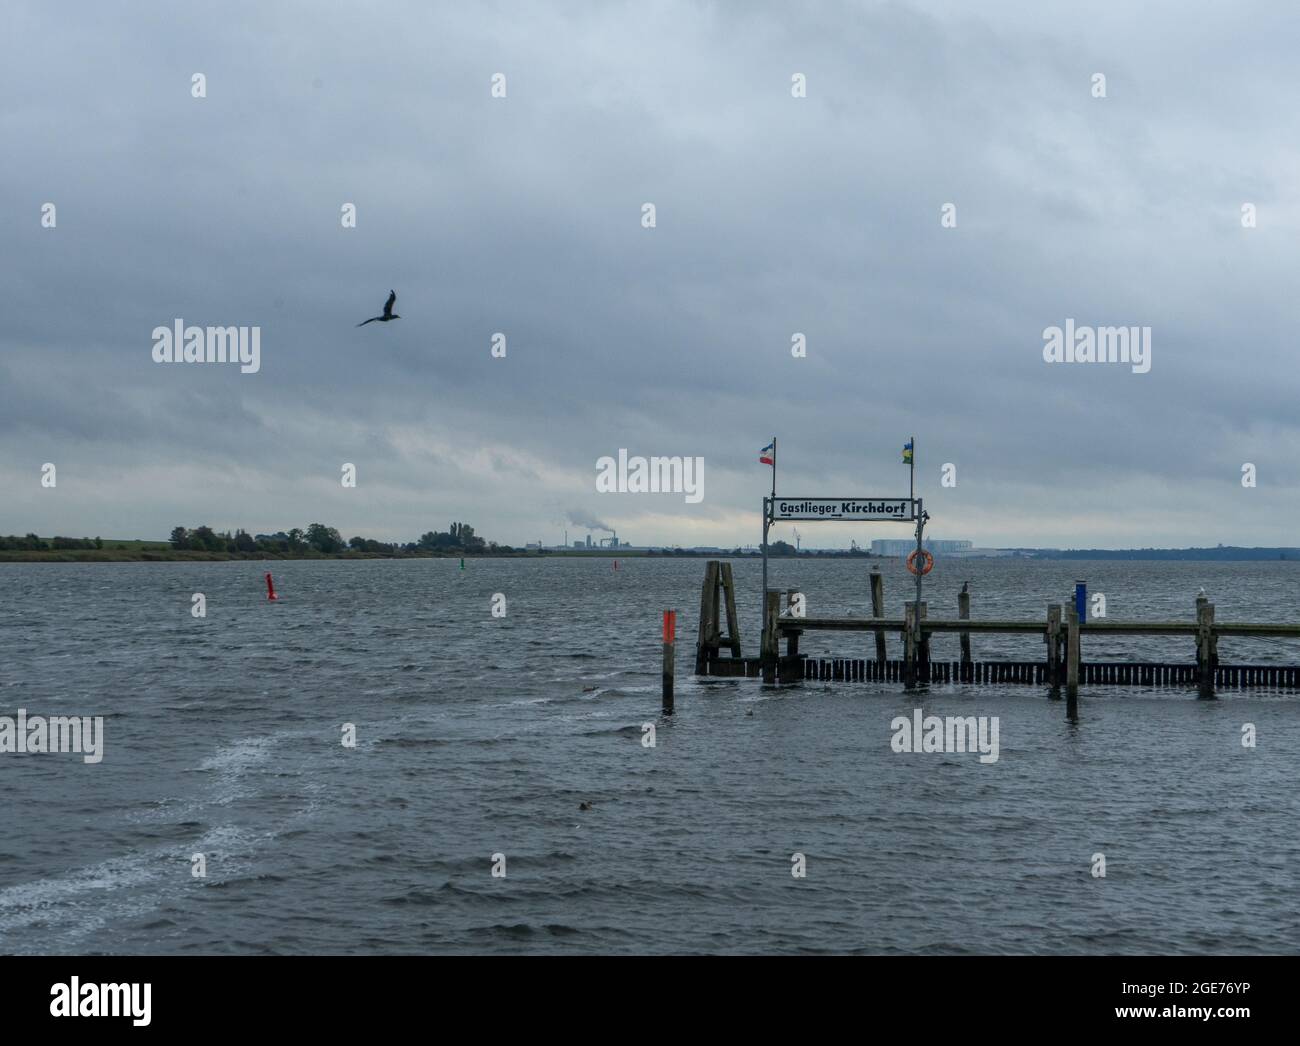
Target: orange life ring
927	562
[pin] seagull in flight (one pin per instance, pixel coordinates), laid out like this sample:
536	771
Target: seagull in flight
389	314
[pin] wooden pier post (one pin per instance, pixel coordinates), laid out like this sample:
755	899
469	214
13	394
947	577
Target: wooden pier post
1214	642
770	651
1206	659
909	644
733	619
1072	655
1053	640
706	649
670	640
878	610
963	613
923	645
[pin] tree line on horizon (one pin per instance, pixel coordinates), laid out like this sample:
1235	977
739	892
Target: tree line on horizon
322	540
317	540
33	543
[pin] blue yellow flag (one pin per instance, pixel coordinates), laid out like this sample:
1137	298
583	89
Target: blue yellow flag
907	453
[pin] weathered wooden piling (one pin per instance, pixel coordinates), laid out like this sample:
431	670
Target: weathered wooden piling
771	651
1072	655
1053	638
923	645
670	642
733	619
916	640
707	647
1206	658
963	613
909	644
878	611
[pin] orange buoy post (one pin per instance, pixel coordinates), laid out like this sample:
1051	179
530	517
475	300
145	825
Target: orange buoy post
670	638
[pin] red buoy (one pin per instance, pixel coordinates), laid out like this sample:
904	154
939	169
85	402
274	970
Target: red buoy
270	588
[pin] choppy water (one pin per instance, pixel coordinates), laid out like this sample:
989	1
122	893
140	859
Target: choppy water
479	735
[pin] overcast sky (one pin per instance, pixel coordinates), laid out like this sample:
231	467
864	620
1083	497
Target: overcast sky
774	215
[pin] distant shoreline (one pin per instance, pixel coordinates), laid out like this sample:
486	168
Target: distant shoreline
167	555
145	552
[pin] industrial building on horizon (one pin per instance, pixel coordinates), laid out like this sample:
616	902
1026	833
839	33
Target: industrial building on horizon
588	545
889	547
904	547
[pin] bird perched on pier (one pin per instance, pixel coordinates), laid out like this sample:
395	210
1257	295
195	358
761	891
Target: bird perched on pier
389	314
965	587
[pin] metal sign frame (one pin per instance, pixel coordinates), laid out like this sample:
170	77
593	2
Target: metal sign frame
917	515
906	512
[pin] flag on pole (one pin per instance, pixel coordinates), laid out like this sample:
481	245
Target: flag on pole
907	453
767	456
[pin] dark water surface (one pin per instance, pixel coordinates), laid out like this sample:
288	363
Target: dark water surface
478	735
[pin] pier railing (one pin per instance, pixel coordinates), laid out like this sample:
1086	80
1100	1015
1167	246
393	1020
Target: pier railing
786	625
1061	629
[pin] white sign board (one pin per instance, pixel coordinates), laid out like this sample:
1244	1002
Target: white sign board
842	508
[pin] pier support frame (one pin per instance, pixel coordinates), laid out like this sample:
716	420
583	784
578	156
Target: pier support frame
719	590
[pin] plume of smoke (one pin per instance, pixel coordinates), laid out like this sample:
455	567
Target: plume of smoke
584	519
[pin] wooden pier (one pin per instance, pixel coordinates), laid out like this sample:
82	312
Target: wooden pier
1061	630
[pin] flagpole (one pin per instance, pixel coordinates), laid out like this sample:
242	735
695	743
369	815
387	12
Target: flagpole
911	470
918	642
767	518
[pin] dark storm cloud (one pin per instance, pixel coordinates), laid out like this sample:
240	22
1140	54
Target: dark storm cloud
775	215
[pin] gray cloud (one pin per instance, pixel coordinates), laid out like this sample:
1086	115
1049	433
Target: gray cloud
775	216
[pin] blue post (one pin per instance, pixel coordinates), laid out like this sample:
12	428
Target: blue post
1081	599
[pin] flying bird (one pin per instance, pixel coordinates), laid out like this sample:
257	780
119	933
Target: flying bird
389	314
